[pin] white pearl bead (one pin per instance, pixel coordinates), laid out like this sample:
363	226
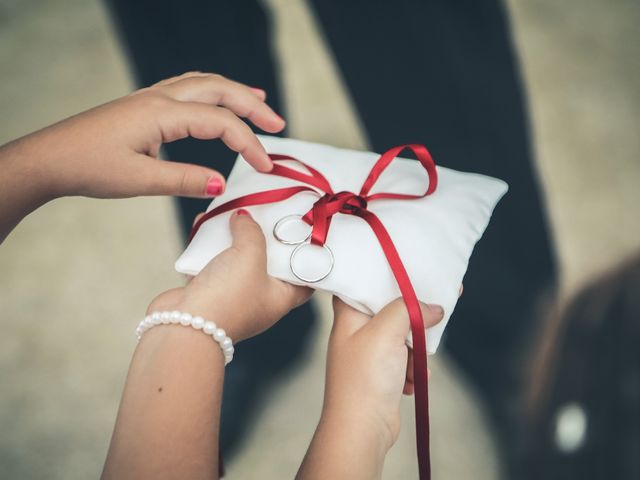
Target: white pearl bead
219	335
198	323
185	319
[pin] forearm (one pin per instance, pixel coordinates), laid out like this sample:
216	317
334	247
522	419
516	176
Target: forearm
345	446
169	417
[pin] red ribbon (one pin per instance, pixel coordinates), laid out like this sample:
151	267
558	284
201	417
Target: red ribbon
348	203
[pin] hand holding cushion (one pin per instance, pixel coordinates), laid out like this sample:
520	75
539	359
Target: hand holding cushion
234	289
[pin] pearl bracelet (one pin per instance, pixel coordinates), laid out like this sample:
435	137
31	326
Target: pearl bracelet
199	323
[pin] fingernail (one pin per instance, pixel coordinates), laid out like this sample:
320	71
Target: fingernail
258	91
279	118
436	308
242	211
214	186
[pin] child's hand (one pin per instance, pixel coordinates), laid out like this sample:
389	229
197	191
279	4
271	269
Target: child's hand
234	289
369	365
111	151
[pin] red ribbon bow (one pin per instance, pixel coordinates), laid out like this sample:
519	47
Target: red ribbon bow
348	203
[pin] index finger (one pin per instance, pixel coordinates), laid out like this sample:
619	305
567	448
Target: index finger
206	122
218	90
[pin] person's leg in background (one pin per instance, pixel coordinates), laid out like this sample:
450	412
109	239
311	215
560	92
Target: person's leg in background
443	73
232	38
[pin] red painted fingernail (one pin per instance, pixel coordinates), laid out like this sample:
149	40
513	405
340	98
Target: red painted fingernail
214	186
242	211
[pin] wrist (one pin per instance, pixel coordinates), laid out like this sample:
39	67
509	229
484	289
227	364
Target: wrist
363	421
210	308
182	346
32	168
22	189
184	319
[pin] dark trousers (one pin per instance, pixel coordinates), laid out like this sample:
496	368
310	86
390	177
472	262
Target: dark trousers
442	73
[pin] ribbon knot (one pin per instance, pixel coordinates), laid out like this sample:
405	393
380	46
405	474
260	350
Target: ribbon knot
349	203
353	202
320	215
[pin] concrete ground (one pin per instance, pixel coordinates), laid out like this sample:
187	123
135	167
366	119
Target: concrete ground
76	275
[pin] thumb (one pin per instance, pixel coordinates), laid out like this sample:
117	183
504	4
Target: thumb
162	177
247	234
394	318
248	252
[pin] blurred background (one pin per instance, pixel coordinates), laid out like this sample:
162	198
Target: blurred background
77	275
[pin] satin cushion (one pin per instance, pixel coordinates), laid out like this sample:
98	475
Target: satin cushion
434	236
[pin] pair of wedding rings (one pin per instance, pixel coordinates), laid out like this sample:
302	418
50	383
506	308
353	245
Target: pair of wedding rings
308	262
